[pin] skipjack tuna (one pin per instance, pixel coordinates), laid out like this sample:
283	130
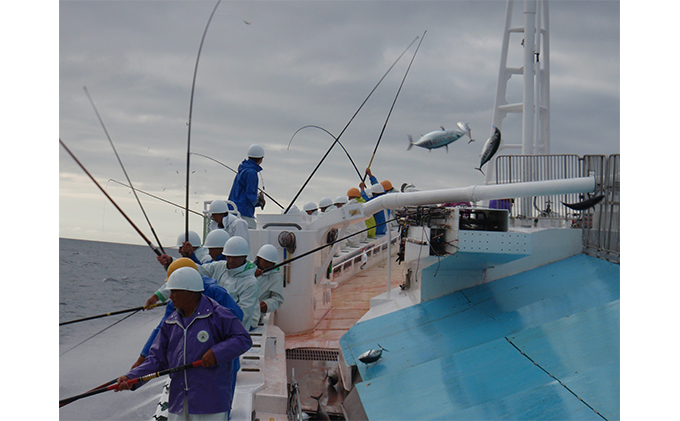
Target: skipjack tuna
490	148
439	138
372	355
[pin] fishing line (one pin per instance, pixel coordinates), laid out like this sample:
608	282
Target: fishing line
155	197
191	107
122	166
347	125
331	135
100	332
392	107
236	172
158	252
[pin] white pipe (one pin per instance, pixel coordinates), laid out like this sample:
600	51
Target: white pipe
476	193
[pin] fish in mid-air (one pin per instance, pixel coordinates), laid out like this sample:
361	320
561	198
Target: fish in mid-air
585	204
490	148
439	138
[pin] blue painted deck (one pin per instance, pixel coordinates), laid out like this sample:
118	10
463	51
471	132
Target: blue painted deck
543	344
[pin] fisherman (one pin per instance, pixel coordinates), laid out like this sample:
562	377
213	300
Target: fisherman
237	276
228	220
376	190
310	208
191	249
355	241
324	204
354	196
210	289
270	282
214	242
339	201
198	329
244	191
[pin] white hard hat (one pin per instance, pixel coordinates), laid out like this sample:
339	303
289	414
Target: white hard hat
309	206
269	253
194	239
325	202
236	246
377	189
218	206
255	151
340	199
216	238
187	279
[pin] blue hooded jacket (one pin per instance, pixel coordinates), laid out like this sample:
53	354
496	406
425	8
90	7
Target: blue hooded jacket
244	189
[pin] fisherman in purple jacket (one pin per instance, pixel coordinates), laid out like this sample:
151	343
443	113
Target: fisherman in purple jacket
198	329
244	189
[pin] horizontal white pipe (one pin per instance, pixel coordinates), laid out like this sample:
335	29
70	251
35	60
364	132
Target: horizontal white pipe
483	192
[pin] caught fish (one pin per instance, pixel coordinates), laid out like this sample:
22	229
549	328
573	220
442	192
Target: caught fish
490	148
438	138
372	355
466	129
321	413
585	204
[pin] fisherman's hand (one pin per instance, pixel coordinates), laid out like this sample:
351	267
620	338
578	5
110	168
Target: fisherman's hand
208	359
260	200
164	260
258	272
263	307
362	185
368	171
187	249
151	301
122	384
140	360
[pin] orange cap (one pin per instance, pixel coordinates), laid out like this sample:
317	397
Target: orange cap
353	192
386	185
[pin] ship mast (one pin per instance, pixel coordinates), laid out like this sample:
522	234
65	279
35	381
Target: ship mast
535	72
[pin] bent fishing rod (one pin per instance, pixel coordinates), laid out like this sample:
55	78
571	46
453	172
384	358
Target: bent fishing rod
155	197
331	135
130	382
392	107
347	125
158	252
191	107
107	327
113	313
123	167
233	170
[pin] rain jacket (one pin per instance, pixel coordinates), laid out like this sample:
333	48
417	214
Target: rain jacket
241	284
212	290
244	189
185	340
234	226
271	290
379	217
201	255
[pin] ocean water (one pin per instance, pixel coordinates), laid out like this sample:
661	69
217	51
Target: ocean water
97	278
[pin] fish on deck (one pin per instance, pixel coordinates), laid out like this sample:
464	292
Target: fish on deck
439	138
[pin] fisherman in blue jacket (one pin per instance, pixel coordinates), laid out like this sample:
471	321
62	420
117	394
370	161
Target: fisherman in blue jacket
244	191
198	330
376	190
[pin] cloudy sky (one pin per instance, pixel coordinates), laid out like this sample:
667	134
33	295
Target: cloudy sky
269	68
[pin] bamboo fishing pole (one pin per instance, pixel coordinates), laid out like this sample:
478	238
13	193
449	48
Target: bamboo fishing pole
130	382
191	107
123	167
347	125
113	313
155	197
233	170
392	107
158	252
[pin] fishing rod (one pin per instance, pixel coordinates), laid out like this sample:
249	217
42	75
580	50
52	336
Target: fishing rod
155	197
347	125
191	107
130	382
110	326
123	167
158	252
233	170
331	135
69	400
392	107
112	313
325	245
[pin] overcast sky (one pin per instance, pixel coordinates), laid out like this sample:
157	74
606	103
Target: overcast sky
269	68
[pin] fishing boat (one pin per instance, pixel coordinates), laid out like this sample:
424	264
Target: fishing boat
495	313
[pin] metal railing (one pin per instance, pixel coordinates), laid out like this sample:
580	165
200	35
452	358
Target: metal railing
600	224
